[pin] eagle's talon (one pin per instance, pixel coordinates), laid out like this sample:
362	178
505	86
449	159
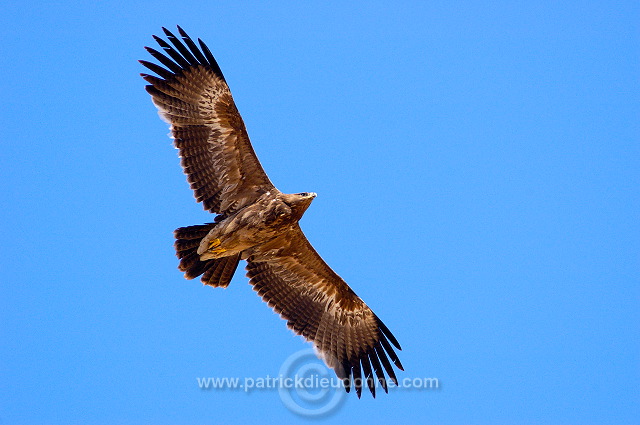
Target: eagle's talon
214	243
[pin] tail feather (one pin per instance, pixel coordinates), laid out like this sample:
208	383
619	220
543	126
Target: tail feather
198	231
215	272
220	272
184	246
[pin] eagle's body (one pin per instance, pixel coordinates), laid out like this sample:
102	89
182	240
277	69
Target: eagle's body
272	214
256	222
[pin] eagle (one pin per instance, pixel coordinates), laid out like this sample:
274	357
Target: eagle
256	222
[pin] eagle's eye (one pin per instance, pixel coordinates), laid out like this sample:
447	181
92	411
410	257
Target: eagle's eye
304	194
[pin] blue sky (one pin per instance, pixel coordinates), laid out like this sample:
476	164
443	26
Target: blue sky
478	170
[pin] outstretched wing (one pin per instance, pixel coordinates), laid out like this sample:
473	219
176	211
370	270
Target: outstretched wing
294	280
193	96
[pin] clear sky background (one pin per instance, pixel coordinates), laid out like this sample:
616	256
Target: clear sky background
478	172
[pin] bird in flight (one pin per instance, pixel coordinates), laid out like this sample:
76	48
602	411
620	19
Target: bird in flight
256	222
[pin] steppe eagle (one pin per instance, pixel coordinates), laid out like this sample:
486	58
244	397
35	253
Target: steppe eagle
256	222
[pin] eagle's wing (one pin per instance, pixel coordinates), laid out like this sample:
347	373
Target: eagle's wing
193	96
294	280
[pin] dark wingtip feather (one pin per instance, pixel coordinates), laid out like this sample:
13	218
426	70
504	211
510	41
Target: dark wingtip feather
385	362
211	60
377	367
346	367
183	55
186	54
151	90
160	41
171	65
151	79
385	330
195	52
173	53
182	32
368	374
392	354
357	378
157	69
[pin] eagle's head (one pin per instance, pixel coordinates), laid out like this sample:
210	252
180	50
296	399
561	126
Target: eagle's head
298	202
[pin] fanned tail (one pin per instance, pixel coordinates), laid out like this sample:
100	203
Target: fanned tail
215	272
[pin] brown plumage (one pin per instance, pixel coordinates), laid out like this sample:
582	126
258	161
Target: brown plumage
256	222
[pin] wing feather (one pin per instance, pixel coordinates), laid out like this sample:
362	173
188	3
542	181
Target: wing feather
194	98
294	280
